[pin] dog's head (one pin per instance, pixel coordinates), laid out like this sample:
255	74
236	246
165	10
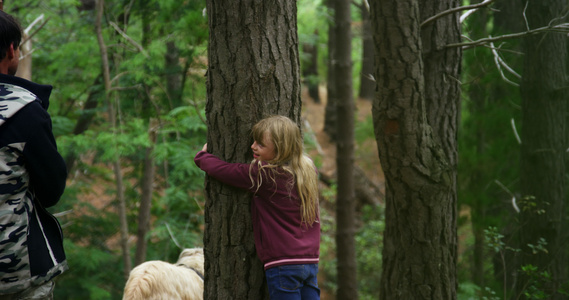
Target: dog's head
192	258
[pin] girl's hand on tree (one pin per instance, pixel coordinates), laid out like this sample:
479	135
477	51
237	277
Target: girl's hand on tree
204	147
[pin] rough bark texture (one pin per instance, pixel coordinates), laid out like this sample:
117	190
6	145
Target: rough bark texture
253	72
544	143
415	127
345	198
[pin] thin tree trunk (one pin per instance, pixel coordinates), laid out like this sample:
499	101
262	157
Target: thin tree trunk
174	78
478	95
25	65
367	83
116	164
310	68
331	94
345	202
147	188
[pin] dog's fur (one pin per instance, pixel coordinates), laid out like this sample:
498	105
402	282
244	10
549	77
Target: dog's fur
158	280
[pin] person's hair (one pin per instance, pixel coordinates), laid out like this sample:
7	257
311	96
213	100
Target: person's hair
289	156
10	33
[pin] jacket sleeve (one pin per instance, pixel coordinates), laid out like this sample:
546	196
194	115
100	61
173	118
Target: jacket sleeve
47	169
234	174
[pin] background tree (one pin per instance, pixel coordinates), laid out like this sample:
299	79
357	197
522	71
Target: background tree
253	72
544	144
415	120
367	82
310	66
488	180
111	105
345	203
330	117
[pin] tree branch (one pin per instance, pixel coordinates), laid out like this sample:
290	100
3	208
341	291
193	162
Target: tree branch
456	9
133	42
564	28
501	63
29	28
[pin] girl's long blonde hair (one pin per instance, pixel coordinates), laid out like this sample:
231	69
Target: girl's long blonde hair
289	155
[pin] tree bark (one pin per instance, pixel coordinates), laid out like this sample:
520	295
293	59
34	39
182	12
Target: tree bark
544	144
147	188
331	89
174	78
415	126
345	199
310	69
367	83
254	71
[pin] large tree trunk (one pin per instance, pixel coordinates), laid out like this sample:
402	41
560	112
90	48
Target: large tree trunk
415	120
544	143
253	72
345	203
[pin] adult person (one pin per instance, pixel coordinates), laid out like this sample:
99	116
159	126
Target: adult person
32	178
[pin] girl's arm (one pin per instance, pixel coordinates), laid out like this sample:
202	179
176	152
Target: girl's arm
234	174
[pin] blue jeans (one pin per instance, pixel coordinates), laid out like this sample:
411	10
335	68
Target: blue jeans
293	282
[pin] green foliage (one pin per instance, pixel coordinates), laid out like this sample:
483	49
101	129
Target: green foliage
364	130
534	279
67	56
368	239
95	270
494	240
488	167
535	286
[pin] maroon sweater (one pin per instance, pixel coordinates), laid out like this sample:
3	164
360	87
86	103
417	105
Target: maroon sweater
275	209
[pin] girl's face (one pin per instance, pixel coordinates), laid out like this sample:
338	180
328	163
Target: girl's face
264	150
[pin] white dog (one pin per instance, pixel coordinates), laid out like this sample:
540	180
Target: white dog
159	280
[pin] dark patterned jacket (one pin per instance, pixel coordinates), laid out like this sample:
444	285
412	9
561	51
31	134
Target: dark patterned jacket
32	178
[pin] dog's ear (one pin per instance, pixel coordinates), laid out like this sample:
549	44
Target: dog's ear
190	252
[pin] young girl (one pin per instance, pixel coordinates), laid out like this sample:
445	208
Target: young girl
284	208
